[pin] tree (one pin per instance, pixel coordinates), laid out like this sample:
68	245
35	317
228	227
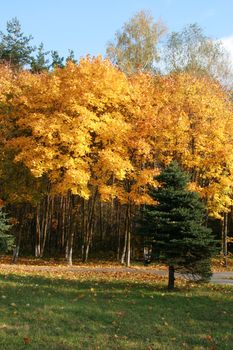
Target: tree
71	57
6	240
40	62
15	47
57	60
175	224
192	51
135	46
188	126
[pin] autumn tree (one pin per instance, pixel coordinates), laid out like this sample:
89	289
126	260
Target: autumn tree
89	139
192	51
135	46
176	226
68	114
69	127
191	129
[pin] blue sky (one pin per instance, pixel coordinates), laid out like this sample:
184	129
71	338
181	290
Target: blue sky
86	25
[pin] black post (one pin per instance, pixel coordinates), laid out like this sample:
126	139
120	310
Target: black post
171	277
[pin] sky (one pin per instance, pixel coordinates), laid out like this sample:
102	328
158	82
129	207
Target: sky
86	26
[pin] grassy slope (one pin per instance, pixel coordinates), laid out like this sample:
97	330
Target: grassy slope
90	313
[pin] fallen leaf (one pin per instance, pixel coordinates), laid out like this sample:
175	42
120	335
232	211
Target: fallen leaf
27	340
208	337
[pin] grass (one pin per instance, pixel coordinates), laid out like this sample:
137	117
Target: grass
88	312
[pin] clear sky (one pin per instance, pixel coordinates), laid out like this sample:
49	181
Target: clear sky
86	25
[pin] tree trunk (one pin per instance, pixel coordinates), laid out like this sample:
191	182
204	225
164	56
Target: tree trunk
171	277
118	230
102	233
224	238
16	250
125	240
38	233
18	238
70	233
63	222
69	255
88	243
88	227
128	246
46	216
86	251
50	225
128	255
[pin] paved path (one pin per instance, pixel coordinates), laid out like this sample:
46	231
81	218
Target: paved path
218	277
222	278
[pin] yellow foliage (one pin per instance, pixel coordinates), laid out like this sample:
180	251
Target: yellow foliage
90	125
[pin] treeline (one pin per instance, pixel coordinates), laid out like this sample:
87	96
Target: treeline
82	142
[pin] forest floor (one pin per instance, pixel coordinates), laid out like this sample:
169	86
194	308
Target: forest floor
221	274
60	308
133	273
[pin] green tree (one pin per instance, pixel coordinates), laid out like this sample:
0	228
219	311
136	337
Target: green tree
6	240
57	60
135	46
71	57
40	63
190	50
15	47
179	238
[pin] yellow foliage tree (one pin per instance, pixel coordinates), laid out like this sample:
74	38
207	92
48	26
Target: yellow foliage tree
194	126
90	126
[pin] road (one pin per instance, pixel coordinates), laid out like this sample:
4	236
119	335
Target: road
223	278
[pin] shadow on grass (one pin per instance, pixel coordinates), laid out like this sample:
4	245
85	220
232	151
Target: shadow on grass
91	314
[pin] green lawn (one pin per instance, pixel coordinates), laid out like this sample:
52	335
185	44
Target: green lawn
54	313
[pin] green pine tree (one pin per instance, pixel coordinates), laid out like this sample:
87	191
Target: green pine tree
176	227
6	240
57	60
40	63
71	57
15	48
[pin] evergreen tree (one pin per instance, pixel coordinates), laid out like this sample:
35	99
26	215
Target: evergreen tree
15	47
40	63
57	60
176	227
6	240
71	57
